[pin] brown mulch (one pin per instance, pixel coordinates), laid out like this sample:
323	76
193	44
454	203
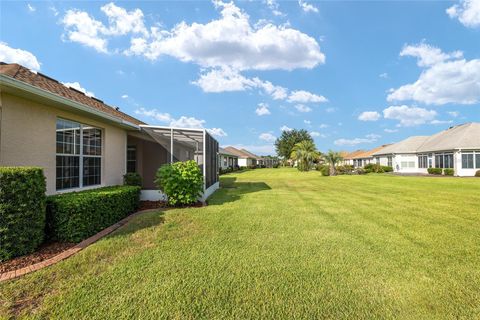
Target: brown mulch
44	252
146	205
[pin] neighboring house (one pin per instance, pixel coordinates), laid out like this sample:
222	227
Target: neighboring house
457	148
227	159
259	161
348	158
361	159
270	161
83	143
245	159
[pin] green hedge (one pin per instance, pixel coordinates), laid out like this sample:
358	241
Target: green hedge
387	169
477	174
448	172
22	210
74	216
437	171
132	179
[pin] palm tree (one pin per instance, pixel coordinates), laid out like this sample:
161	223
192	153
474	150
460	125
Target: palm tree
304	153
332	158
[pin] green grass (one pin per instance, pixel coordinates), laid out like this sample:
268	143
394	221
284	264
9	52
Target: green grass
277	243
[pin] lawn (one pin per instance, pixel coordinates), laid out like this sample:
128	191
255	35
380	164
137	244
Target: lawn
277	243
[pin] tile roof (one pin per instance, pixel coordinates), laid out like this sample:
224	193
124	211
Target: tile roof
254	156
226	152
46	83
353	154
369	153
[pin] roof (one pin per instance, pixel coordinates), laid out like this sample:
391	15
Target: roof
369	153
409	145
353	154
39	80
240	153
464	136
252	155
226	152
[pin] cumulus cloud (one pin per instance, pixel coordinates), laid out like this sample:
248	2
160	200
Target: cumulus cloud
390	130
76	85
267	136
453	113
409	116
308	122
23	57
446	78
316	134
303	108
266	149
273	5
125	96
303	96
217	132
368	139
285	128
154	114
307	7
262	109
369	116
232	41
467	12
122	22
31	8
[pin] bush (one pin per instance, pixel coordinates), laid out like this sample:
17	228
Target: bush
436	171
360	171
22	210
324	169
345	169
132	179
387	169
252	166
74	216
373	167
477	174
275	165
448	172
181	182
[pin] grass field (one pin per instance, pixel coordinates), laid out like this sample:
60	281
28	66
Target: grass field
277	243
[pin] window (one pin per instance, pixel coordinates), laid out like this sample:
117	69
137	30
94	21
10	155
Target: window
443	160
131	159
377	160
423	161
467	160
225	161
389	161
78	156
477	157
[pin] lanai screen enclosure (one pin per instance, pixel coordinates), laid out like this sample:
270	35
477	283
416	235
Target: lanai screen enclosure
182	144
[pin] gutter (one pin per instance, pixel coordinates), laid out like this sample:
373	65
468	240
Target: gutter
17	84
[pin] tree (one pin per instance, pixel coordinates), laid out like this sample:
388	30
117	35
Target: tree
285	143
304	153
332	158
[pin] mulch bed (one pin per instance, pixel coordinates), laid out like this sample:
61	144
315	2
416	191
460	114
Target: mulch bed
146	205
44	252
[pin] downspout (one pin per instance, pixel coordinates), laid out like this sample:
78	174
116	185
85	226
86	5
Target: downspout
204	162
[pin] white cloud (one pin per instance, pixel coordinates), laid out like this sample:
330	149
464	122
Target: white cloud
76	85
441	122
323	126
330	110
428	55
187	122
54	10
153	113
369	116
303	96
443	81
303	108
307	7
122	22
285	128
307	122
467	12
454	113
232	41
217	132
262	109
23	57
383	75
31	8
125	96
369	138
409	116
267	136
316	134
390	130
273	5
267	149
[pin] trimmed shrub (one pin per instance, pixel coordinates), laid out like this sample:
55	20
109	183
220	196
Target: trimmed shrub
387	169
324	169
345	169
477	174
360	171
22	210
373	167
74	216
436	171
132	179
275	165
448	172
182	182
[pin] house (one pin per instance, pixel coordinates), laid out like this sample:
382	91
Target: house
245	159
348	158
457	148
269	161
227	159
259	161
363	158
83	143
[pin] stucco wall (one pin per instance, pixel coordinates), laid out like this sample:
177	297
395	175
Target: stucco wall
28	138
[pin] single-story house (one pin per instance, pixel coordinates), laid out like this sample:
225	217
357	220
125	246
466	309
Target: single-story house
227	159
361	159
269	161
244	159
457	148
348	158
82	143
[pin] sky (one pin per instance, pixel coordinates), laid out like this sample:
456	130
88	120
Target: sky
355	74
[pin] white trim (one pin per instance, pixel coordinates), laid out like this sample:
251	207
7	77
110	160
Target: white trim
204	163
174	128
214	187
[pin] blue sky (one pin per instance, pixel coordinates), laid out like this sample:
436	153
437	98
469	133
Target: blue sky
354	74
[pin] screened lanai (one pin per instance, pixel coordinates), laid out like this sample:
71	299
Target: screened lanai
157	145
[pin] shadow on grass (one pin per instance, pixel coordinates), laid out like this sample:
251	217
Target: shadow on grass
231	190
143	221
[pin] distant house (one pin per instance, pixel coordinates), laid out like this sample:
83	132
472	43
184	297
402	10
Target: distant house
348	158
361	159
227	159
245	158
457	148
83	143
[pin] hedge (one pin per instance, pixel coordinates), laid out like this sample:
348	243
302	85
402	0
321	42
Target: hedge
448	172
72	217
22	210
437	171
132	179
477	174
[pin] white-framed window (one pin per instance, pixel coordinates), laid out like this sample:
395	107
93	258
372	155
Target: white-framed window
477	158
389	162
78	155
467	160
423	161
443	160
131	159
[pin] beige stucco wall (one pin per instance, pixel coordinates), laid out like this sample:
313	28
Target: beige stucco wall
28	138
